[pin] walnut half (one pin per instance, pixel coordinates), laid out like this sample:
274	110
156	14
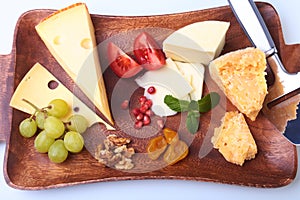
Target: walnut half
115	153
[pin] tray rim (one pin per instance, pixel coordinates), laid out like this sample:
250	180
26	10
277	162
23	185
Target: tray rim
12	61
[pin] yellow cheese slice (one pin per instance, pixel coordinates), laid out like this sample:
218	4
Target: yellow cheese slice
34	87
241	75
69	36
199	42
233	139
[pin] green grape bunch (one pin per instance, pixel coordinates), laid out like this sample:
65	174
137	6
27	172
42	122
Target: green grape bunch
55	137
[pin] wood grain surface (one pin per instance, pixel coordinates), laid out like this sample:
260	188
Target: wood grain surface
274	166
6	82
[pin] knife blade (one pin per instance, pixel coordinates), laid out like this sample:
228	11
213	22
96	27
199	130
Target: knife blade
251	21
256	30
253	25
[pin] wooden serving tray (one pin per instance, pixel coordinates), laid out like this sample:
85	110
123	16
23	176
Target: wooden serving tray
274	166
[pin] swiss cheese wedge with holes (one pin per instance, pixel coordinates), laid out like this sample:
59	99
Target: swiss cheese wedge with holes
35	88
241	75
233	139
69	36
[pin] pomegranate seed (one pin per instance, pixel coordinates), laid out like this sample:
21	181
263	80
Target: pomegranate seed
146	120
149	102
144	108
151	90
125	104
149	113
140	117
136	111
143	113
138	124
142	99
160	123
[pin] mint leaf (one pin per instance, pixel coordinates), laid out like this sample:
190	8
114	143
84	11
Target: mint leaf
192	121
193	105
176	104
208	102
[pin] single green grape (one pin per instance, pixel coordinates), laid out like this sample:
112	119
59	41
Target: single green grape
77	123
58	108
43	142
73	141
54	127
28	127
57	152
40	117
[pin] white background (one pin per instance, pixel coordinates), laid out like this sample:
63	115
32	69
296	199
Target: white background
288	11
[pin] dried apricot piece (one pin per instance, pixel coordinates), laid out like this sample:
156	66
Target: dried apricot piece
171	136
156	147
176	152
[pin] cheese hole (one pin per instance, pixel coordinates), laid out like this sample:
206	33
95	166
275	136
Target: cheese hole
52	84
86	43
57	40
76	109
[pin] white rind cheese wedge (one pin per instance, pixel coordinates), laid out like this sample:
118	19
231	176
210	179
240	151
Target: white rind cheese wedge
34	87
167	81
194	74
199	42
166	77
159	107
172	65
69	36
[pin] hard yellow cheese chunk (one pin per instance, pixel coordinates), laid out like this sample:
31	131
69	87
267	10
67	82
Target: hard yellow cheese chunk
199	42
233	139
35	87
241	75
69	36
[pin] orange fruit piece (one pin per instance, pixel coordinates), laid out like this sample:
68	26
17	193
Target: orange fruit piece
156	147
176	152
171	136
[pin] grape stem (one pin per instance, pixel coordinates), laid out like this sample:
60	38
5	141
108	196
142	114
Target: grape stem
31	104
47	107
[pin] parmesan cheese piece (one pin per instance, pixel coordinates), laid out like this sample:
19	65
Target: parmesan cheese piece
234	140
241	75
280	114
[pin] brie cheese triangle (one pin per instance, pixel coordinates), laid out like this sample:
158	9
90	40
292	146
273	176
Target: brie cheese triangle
199	42
194	74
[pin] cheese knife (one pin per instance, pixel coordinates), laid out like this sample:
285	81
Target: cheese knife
251	21
255	28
